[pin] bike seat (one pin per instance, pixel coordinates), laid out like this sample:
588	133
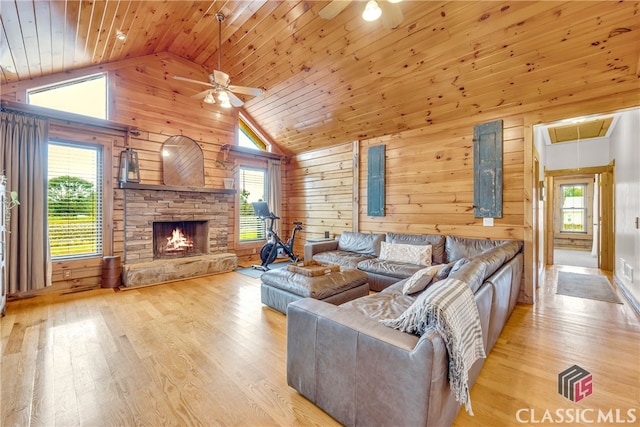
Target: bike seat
297	223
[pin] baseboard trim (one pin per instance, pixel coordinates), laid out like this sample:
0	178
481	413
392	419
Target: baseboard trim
627	295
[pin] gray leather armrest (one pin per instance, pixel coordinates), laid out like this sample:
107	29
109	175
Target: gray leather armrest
354	320
310	249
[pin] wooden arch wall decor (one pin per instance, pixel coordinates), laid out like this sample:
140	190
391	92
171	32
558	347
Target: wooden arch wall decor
182	162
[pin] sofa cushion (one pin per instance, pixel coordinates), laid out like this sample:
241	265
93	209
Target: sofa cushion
436	241
344	258
389	304
464	247
399	270
410	254
361	243
472	272
497	256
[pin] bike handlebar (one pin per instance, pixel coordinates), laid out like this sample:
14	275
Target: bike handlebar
271	216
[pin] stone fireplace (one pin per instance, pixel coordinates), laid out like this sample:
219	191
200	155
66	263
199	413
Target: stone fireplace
174	233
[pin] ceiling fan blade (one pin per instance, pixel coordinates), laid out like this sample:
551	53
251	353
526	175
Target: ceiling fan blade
234	100
391	14
253	91
221	78
192	81
200	95
334	8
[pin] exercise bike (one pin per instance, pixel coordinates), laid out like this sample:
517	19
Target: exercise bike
269	251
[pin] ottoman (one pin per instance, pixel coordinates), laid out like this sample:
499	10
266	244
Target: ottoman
280	287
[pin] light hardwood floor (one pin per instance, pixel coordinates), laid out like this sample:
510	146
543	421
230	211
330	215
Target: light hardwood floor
206	352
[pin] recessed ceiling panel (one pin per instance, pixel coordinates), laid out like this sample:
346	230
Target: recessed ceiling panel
584	130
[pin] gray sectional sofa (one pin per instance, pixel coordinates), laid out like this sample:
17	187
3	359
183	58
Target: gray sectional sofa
362	372
362	251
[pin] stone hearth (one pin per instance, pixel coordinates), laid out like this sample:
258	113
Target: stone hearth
144	206
166	270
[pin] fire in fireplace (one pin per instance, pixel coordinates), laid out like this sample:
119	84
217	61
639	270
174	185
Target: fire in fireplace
175	239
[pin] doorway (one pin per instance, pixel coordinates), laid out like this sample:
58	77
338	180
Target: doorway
575	220
579	220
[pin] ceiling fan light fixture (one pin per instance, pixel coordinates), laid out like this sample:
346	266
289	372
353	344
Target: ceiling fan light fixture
220	81
394	1
223	97
371	11
209	99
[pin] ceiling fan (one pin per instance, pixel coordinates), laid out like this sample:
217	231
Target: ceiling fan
221	82
387	9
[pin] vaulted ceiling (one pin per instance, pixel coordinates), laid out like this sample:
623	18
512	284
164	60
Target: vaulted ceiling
331	81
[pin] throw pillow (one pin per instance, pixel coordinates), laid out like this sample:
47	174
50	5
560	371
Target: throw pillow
443	273
421	279
410	254
459	263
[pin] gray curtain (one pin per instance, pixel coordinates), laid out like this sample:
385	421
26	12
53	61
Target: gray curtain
23	159
274	193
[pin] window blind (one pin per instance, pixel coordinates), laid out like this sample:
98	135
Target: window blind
74	198
252	189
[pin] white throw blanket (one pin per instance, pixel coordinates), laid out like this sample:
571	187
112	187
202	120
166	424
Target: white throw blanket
448	307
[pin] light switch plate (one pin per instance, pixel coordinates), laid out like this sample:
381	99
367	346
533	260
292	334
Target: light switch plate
487	222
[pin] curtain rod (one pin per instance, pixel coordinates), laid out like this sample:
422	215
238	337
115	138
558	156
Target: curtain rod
6	109
50	114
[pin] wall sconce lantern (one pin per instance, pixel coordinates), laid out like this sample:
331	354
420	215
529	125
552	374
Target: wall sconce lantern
129	166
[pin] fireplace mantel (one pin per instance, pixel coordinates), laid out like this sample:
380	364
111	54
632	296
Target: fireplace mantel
134	186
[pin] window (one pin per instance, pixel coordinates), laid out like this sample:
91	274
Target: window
573	209
248	137
86	96
74	200
252	189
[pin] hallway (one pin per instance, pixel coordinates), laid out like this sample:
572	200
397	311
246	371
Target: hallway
574	258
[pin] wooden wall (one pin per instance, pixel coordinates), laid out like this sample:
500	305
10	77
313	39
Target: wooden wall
429	184
318	190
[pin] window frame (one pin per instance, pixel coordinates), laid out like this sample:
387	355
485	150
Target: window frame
70	82
91	135
247	127
100	149
584	209
266	196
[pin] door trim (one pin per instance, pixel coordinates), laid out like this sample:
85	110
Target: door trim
606	229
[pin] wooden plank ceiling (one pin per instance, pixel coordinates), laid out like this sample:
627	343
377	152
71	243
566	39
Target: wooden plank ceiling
332	81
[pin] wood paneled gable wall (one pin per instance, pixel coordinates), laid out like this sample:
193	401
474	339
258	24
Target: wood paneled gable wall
144	96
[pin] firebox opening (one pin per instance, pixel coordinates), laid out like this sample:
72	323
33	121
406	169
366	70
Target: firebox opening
177	239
